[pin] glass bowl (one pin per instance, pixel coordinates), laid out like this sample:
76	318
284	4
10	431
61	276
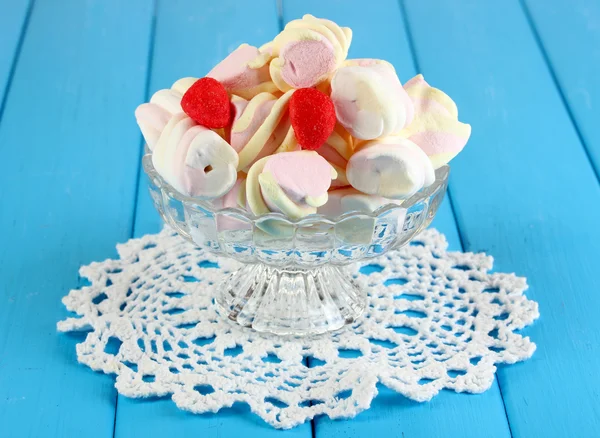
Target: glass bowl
293	281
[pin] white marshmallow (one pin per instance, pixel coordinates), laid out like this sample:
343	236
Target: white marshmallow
168	99
196	161
342	201
392	167
369	100
154	115
151	119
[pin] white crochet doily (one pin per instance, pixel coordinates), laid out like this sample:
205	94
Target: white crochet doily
435	320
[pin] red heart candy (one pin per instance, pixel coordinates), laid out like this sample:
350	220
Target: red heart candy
207	103
313	117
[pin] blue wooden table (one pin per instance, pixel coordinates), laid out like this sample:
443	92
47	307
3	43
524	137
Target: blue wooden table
523	73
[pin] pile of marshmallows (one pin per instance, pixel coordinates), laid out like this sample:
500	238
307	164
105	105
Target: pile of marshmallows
295	127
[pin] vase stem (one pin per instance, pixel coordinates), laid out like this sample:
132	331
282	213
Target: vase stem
289	301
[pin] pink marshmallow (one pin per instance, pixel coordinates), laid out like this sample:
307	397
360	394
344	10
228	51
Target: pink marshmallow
187	178
233	72
230	200
239	105
390	76
307	62
240	139
151	119
275	139
299	175
435	128
434	143
330	154
369	99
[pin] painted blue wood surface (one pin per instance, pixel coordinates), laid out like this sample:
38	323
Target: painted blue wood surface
66	195
525	192
379	32
568	33
13	25
190	39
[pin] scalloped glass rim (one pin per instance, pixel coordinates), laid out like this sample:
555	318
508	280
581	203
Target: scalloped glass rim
441	175
292	279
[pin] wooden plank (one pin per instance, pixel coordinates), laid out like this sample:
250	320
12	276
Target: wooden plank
568	32
379	32
525	192
68	143
13	24
190	39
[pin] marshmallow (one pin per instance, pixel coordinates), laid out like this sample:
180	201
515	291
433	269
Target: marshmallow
349	199
260	127
435	127
289	143
305	53
248	118
369	99
196	161
234	198
293	183
385	146
152	117
337	150
239	78
182	85
392	167
337	162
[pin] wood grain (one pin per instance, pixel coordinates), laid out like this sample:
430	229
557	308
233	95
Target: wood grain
13	22
526	193
525	190
190	39
568	34
68	144
379	32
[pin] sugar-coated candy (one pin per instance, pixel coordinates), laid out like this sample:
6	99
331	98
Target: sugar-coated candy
296	127
239	78
207	103
313	117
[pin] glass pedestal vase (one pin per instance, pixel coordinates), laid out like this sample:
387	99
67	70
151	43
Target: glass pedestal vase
291	301
292	281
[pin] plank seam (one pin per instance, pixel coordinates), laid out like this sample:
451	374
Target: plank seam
279	4
461	237
546	58
411	45
16	57
503	403
115	417
149	61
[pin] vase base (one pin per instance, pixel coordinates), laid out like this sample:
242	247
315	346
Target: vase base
290	301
